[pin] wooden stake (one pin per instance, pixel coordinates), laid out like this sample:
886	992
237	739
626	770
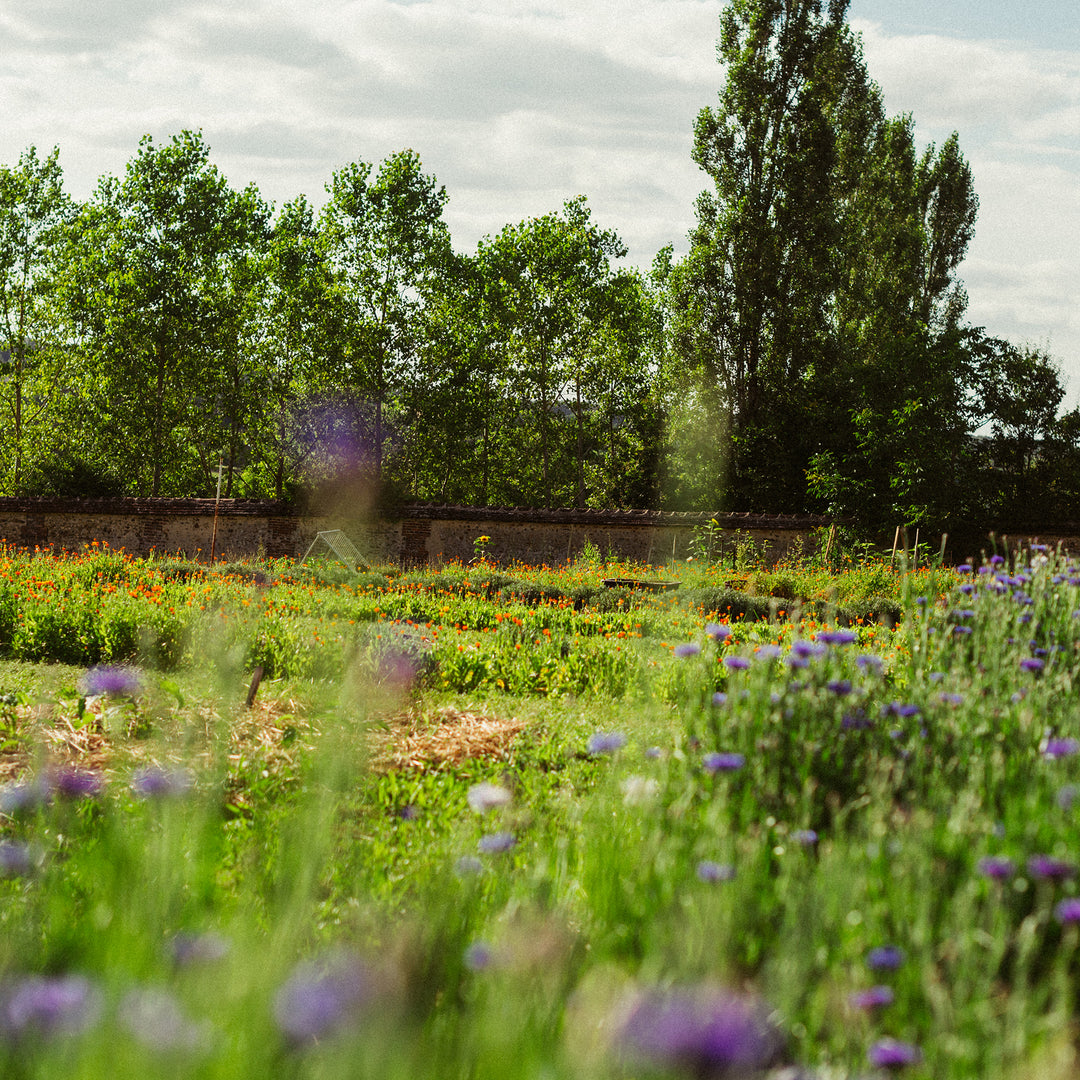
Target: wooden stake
253	689
895	545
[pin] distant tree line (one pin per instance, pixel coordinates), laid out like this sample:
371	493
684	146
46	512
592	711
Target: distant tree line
810	352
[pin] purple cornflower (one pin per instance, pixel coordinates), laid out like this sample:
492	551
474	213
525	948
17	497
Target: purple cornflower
893	1054
840	687
951	699
885	958
606	742
701	1033
869	662
497	843
16	859
837	637
877	997
72	783
768	652
719	698
111	681
714	872
689	648
996	867
714	763
50	1005
1032	663
901	709
153	782
1049	868
319	999
25	796
1057	748
484	797
808	649
964	568
717	631
1067	911
736	663
856	721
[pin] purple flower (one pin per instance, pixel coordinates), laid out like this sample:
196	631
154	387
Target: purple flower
964	568
606	742
50	1005
900	708
319	999
869	662
25	796
996	867
153	782
885	958
71	783
496	843
468	866
877	997
701	1033
837	637
805	837
893	1054
951	699
714	872
808	649
690	648
736	663
111	681
768	652
717	632
1067	796
840	687
16	859
479	956
1048	868
1032	663
719	698
1067	911
1060	748
714	763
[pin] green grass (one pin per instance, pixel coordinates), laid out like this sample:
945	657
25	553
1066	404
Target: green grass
766	809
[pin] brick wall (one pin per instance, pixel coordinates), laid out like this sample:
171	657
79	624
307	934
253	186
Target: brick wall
413	535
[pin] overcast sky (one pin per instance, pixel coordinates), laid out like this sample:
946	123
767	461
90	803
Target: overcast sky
518	105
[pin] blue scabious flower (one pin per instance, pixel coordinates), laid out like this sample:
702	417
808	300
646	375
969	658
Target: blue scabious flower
768	652
714	872
837	637
497	843
154	782
840	687
885	958
869	662
115	680
701	1033
1057	748
689	648
72	783
736	663
717	631
606	742
877	997
190	948
996	867
319	999
16	859
47	1005
479	956
1067	912
893	1054
1049	868
1032	663
715	762
964	568
719	698
808	649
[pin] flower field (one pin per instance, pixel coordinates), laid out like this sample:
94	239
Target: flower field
270	820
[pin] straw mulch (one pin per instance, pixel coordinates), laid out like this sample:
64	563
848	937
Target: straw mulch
447	737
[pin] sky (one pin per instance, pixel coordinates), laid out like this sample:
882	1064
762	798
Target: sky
518	105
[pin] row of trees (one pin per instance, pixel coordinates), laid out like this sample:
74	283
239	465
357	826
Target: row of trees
808	353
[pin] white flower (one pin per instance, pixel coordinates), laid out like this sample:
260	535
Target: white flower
485	797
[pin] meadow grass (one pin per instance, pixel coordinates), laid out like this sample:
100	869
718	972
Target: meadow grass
489	821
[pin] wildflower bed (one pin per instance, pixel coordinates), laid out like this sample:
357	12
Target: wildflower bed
507	823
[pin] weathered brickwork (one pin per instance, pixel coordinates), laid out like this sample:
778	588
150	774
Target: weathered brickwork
413	535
